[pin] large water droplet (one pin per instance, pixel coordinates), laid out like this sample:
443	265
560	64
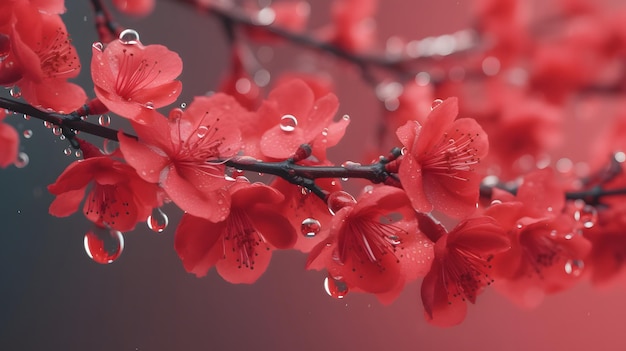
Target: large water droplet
15	92
288	123
103	245
104	120
202	131
335	287
339	200
574	267
22	160
98	46
436	103
129	37
109	146
27	133
157	221
56	130
310	227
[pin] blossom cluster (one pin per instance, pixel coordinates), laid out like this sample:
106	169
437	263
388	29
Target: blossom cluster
468	199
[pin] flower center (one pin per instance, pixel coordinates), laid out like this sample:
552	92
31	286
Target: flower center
452	156
242	239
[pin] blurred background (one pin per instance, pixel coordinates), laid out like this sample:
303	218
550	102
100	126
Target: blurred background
53	297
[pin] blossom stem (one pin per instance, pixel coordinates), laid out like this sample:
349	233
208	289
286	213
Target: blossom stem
400	65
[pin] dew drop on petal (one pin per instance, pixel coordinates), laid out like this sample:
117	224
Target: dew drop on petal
496	202
335	287
574	267
345	117
150	105
98	46
15	92
103	245
436	103
288	123
104	120
202	131
27	133
586	215
310	227
67	151
22	160
157	221
129	37
339	200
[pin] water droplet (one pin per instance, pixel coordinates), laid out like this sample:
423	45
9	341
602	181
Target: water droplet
202	131
104	120
22	160
27	133
103	245
586	215
47	124
109	146
56	130
78	154
61	137
288	123
67	151
345	117
26	117
183	105
150	105
574	267
495	202
15	92
129	37
435	104
157	221
339	200
310	227
325	132
620	156
335	287
98	46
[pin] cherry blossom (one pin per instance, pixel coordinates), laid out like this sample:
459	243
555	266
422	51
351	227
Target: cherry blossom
240	246
130	78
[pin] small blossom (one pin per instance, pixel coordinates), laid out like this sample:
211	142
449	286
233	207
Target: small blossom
240	246
460	269
374	245
437	171
130	78
118	198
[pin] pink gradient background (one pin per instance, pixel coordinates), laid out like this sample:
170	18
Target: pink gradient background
52	297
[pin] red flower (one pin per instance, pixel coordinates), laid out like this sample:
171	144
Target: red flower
546	251
8	142
130	77
47	58
437	169
460	269
118	198
179	153
240	246
374	245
